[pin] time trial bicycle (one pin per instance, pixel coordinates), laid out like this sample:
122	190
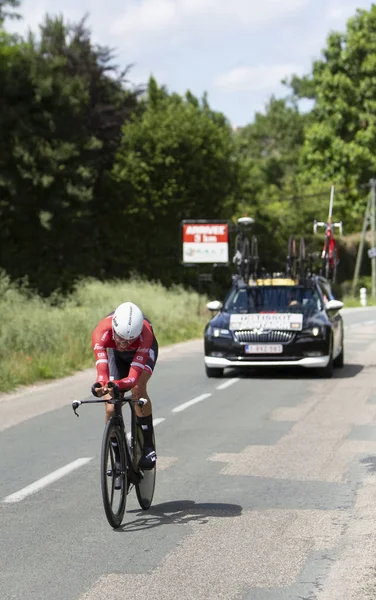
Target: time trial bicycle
296	262
329	255
246	257
120	456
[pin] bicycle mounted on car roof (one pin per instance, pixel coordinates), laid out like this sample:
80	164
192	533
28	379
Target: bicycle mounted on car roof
329	255
245	258
299	263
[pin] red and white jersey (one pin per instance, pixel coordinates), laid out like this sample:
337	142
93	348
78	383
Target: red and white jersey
138	351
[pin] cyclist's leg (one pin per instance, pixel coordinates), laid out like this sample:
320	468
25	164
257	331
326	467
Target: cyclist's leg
144	413
140	391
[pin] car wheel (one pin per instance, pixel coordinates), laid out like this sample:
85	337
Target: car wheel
213	372
327	371
340	360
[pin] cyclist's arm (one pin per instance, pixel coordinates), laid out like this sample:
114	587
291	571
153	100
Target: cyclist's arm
99	340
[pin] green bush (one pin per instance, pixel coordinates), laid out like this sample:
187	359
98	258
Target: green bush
45	339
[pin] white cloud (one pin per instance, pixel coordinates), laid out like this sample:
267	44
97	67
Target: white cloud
339	11
155	15
196	44
333	17
163	16
259	78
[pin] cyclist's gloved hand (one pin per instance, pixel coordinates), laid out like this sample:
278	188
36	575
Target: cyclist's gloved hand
97	389
113	388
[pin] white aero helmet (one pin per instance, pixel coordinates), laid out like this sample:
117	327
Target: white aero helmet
128	321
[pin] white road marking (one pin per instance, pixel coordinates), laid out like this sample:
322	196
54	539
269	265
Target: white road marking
47	480
227	384
190	403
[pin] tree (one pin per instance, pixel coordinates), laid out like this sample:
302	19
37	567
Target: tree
65	104
340	141
268	153
7	10
179	160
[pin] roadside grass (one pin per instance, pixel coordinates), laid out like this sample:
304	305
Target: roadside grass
46	339
351	302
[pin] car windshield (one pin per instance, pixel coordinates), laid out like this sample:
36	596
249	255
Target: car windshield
272	298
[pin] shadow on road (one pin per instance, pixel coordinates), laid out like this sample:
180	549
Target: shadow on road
370	462
348	371
178	512
282	373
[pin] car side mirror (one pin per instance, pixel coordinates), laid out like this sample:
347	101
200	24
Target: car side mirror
214	305
334	305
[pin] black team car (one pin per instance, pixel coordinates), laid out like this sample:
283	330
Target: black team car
276	322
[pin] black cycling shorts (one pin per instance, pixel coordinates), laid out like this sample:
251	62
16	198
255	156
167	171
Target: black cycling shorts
119	362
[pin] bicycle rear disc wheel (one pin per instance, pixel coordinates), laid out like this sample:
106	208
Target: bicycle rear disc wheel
145	487
292	247
114	470
302	258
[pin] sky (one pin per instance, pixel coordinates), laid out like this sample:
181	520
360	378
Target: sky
237	51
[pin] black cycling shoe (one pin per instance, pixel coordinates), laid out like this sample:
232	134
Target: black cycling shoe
148	458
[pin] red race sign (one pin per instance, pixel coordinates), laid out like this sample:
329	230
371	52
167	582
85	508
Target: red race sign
205	233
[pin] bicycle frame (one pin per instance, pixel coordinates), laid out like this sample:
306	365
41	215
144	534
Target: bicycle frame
134	474
242	257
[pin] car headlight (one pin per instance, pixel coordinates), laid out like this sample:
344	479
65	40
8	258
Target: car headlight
315	331
217	332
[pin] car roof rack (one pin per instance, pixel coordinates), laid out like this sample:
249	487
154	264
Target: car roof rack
274	279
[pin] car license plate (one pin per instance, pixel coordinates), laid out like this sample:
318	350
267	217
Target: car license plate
264	348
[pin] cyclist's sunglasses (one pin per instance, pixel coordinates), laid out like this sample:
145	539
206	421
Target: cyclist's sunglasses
119	341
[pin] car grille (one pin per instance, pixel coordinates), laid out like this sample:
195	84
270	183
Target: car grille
248	336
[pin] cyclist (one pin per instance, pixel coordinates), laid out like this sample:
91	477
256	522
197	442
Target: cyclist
126	351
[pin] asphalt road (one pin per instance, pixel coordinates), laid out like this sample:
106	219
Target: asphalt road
266	486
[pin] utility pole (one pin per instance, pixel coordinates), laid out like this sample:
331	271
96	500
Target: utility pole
369	219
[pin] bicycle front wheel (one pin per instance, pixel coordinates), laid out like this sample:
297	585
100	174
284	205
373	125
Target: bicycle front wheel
145	487
245	260
114	473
